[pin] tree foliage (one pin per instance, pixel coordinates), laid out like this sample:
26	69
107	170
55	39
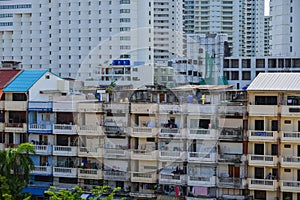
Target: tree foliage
76	193
15	167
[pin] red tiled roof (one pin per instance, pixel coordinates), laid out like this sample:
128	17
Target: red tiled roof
6	75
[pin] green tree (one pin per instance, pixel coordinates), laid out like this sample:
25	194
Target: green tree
15	166
76	193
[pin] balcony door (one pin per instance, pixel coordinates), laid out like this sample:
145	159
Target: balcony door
259	149
259	173
233	171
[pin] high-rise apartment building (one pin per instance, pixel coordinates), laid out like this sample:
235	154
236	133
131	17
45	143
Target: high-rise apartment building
73	38
243	21
285	40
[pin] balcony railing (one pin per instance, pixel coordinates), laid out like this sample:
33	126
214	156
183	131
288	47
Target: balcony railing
114	131
95	152
262	184
116	153
231	133
172	133
231	158
90	107
202	157
148	108
177	179
263	110
65	172
15	127
172	155
64	106
200	109
90	173
40	128
15	105
210	134
46	106
230	182
289	186
290	161
42	170
144	132
144	177
116	175
137	154
43	149
65	150
263	160
262	135
290	137
170	109
64	129
201	181
90	130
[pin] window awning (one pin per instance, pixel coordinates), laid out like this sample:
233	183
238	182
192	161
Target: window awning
34	191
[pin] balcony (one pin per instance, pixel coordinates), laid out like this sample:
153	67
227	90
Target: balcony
262	160
40	106
146	108
65	172
64	151
93	152
147	194
90	130
263	110
200	109
291	111
15	105
66	129
172	155
93	107
232	110
289	186
202	157
262	184
290	137
143	177
267	136
90	173
116	107
42	170
40	128
144	132
201	181
117	153
170	109
114	131
137	154
231	134
290	161
172	133
15	127
202	134
116	176
176	179
64	106
43	149
230	158
230	182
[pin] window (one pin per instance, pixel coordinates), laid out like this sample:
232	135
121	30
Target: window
124	10
259	125
260	195
293	100
265	100
125	2
246	75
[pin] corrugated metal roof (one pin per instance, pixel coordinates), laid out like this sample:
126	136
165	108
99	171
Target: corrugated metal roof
24	81
276	82
6	75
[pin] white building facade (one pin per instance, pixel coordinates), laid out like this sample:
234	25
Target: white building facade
73	38
285	28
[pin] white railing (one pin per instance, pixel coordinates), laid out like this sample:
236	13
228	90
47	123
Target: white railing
90	152
144	177
262	135
201	180
116	153
202	134
144	131
43	170
44	149
90	173
262	160
172	179
116	175
65	172
289	186
40	126
262	184
290	136
202	157
64	129
137	154
90	130
65	150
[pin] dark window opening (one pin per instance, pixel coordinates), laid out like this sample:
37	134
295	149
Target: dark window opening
19	97
204	123
68	180
265	100
293	100
259	173
259	125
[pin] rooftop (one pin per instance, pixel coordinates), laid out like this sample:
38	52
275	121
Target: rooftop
276	82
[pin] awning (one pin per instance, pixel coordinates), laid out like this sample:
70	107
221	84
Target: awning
34	191
167	171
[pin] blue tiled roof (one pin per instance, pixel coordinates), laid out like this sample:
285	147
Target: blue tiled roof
24	81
